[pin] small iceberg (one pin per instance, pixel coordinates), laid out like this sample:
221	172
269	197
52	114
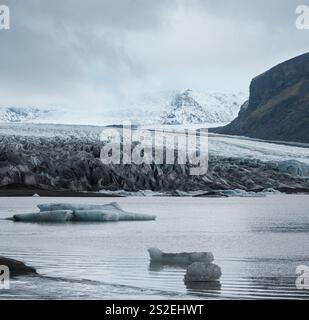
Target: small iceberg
270	191
199	265
241	193
64	212
158	256
202	272
76	206
95	215
47	216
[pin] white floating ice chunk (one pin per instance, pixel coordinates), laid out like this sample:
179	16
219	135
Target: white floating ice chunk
200	272
109	215
73	207
47	216
95	215
242	193
271	191
60	212
156	255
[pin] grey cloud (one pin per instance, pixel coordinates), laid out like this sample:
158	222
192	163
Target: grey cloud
77	53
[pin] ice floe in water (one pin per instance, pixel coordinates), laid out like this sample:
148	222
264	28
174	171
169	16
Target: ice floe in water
242	193
63	212
95	215
197	193
202	272
156	255
76	206
46	216
199	265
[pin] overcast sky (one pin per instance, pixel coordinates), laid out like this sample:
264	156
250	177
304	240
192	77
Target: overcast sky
95	53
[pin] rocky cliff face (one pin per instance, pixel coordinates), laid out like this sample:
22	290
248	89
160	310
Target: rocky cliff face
278	107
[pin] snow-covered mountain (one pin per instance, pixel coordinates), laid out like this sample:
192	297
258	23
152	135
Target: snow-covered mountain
23	114
199	107
159	108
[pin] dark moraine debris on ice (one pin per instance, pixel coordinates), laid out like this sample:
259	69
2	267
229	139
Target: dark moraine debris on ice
63	212
17	268
157	256
29	161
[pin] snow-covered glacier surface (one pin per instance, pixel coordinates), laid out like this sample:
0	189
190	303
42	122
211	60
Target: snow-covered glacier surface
229	146
218	145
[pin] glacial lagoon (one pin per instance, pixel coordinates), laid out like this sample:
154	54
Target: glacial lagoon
258	243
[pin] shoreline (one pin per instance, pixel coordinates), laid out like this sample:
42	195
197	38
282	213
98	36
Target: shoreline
35	192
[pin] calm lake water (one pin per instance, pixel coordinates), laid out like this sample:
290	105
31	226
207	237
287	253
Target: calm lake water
258	242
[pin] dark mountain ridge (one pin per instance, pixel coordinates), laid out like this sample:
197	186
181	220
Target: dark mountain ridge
278	106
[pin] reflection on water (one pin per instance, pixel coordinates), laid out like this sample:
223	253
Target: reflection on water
158	266
211	288
287	226
257	242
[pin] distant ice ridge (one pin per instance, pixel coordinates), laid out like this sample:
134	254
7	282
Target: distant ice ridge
23	114
197	193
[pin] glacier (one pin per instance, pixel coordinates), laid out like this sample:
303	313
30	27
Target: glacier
64	157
